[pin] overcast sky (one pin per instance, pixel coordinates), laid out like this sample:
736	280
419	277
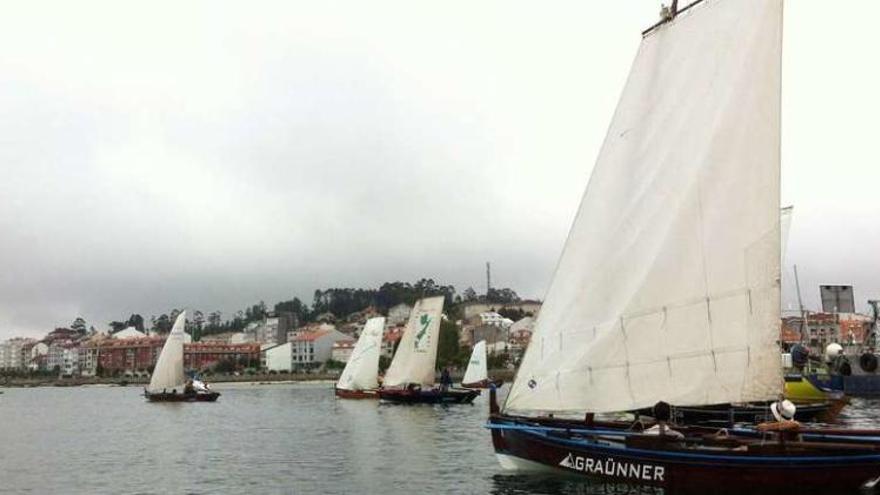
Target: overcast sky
212	154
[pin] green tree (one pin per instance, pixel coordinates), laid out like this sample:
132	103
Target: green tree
136	321
79	325
447	346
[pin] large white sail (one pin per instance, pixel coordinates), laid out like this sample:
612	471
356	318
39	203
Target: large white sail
416	355
168	373
477	368
668	286
362	369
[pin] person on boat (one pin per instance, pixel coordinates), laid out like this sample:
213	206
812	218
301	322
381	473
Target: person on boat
662	412
188	389
445	380
785	424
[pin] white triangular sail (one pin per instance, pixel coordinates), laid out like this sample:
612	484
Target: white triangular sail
477	370
168	374
362	369
668	286
416	355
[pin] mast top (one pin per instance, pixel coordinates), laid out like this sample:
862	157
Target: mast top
667	14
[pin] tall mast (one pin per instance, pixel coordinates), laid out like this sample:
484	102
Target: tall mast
488	278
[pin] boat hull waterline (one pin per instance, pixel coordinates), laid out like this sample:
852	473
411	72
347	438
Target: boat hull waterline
356	394
173	397
432	396
484	384
519	445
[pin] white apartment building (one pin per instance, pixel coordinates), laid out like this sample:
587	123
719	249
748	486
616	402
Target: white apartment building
311	349
12	356
279	358
342	350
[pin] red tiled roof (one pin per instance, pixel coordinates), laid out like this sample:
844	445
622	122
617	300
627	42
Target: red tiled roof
310	336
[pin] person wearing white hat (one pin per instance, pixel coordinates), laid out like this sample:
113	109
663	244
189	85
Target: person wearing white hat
783	411
785	423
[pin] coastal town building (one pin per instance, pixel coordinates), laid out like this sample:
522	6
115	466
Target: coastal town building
342	349
520	333
311	349
821	329
129	333
278	358
398	314
13	354
390	339
139	355
471	309
205	355
36	356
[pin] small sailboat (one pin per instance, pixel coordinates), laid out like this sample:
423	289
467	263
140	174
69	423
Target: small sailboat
410	377
169	382
360	378
477	374
668	288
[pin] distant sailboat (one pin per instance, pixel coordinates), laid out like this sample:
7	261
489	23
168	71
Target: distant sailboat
359	379
410	378
668	288
477	374
169	383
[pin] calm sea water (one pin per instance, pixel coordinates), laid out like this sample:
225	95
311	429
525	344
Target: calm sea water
280	438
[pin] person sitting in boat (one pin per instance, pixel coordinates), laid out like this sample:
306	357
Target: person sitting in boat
188	389
785	424
662	413
445	380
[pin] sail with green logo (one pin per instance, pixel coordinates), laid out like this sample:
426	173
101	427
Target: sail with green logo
416	355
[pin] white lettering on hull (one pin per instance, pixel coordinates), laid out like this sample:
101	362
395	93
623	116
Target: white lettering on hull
610	467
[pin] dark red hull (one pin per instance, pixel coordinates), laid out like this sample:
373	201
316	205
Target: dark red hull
169	397
484	384
759	468
356	394
432	396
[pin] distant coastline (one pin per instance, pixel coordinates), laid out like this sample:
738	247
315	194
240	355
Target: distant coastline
42	381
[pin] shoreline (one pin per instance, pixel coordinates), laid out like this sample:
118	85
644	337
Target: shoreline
256	379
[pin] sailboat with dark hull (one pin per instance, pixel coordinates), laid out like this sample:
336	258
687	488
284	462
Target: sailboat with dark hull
169	382
360	378
410	377
476	375
667	291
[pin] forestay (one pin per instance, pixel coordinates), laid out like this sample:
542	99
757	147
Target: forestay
476	369
416	354
168	373
362	369
668	285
